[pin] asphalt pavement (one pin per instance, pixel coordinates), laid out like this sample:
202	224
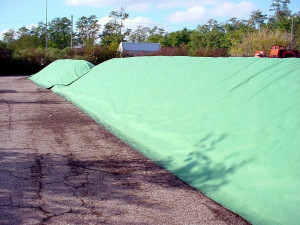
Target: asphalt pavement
57	166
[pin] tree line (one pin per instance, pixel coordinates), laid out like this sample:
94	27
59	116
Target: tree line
235	37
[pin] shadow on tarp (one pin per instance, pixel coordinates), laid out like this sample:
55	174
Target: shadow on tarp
199	170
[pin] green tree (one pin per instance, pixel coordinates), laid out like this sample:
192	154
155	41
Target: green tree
60	32
140	34
234	24
111	39
88	29
279	20
157	31
23	31
9	36
156	35
257	19
39	31
280	9
178	38
210	25
210	40
26	42
114	30
156	38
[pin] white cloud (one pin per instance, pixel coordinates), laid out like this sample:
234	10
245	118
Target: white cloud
131	5
99	3
29	26
225	9
191	15
240	10
130	23
187	11
139	21
144	5
1	33
102	21
139	7
186	3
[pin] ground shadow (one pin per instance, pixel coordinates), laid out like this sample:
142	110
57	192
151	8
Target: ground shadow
72	186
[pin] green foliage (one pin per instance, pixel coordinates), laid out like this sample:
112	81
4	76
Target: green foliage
97	54
155	38
60	32
9	36
140	34
23	51
211	40
26	42
263	40
111	39
257	19
113	31
178	38
280	9
88	28
29	61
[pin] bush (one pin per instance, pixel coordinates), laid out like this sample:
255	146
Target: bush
263	40
203	52
97	54
182	50
30	61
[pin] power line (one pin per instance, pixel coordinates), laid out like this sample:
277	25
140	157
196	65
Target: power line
128	22
23	21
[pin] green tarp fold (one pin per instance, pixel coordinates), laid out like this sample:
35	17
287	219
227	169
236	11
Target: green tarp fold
230	127
61	72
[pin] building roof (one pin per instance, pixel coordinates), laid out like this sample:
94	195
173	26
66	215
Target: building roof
145	47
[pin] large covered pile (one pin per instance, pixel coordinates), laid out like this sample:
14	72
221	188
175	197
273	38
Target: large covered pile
61	72
230	127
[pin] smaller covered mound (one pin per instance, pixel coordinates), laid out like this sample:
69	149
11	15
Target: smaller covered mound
62	72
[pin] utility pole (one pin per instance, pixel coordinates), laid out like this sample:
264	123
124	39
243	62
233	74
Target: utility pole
46	25
292	32
71	31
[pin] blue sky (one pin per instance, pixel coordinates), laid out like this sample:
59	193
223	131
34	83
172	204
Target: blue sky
169	14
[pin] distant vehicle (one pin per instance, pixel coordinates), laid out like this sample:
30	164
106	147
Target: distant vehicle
279	52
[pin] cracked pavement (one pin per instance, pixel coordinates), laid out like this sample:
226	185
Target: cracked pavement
57	166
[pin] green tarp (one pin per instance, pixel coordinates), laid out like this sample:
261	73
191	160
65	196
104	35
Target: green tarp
227	126
62	72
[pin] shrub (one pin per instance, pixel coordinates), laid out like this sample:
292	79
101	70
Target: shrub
204	52
263	40
30	61
182	50
96	54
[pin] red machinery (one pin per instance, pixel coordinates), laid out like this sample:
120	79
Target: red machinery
279	52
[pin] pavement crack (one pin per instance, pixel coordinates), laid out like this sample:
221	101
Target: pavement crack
79	174
36	174
9	121
49	217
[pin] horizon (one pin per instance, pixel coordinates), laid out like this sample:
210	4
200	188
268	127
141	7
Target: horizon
171	15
